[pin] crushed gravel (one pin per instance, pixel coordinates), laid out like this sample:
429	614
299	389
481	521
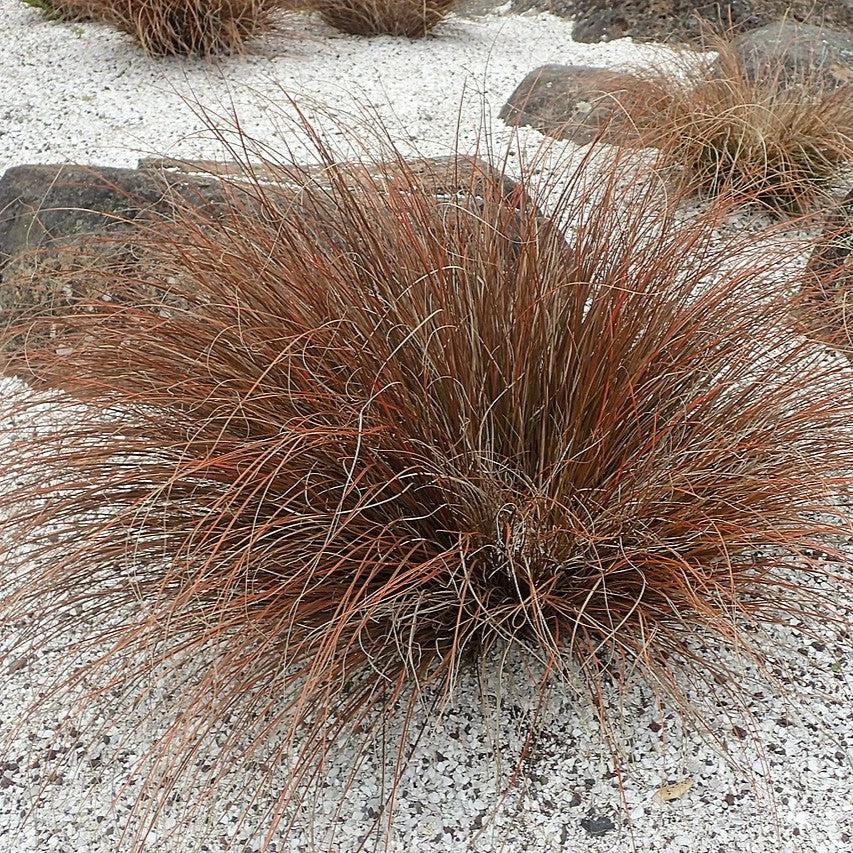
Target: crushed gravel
85	93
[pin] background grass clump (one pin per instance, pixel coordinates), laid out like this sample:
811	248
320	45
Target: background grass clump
410	18
760	139
177	27
59	10
211	27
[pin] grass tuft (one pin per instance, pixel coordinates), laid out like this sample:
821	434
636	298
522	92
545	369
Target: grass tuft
779	144
409	18
382	432
181	27
59	10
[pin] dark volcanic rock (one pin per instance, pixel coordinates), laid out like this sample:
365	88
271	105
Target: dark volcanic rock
51	209
661	20
70	236
560	8
53	224
40	205
799	50
575	102
825	301
66	230
477	8
598	826
685	21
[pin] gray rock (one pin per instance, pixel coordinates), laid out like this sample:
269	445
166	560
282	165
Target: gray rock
799	51
601	25
598	826
439	175
40	205
49	207
684	21
476	8
70	235
646	20
575	102
825	301
560	8
65	231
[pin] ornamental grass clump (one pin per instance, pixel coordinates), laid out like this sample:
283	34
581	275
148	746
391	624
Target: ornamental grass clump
783	144
181	27
391	425
60	10
409	18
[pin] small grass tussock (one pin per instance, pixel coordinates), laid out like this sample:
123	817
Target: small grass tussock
409	18
382	432
59	10
181	27
42	5
783	145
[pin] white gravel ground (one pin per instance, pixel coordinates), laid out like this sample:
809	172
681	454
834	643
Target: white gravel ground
84	93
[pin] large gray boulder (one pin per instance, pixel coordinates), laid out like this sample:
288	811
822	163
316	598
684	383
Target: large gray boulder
69	233
66	230
477	8
42	205
575	102
679	21
794	52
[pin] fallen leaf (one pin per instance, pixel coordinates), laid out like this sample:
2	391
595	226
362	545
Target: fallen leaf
674	792
841	72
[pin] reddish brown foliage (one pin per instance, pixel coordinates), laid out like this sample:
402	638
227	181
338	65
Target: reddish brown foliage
387	434
181	27
756	139
411	18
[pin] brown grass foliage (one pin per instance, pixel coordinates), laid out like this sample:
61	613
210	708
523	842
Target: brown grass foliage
181	27
410	18
779	143
388	434
58	10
